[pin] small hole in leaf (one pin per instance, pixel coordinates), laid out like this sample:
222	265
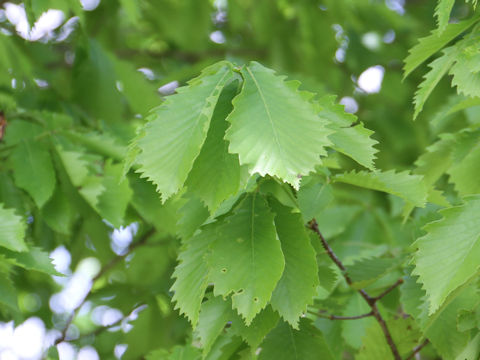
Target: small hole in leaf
255	299
224	270
239	291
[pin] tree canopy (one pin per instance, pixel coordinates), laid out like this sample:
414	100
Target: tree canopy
238	179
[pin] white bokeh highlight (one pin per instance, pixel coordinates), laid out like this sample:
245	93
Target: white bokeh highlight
370	81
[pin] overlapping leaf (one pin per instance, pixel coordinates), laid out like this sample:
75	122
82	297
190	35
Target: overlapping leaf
447	256
299	281
215	175
172	139
270	119
350	137
408	187
247	259
429	45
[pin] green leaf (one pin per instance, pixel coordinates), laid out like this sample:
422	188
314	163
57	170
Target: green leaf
313	197
113	201
408	187
298	284
215	174
365	271
8	294
34	259
350	137
465	71
59	212
33	170
285	343
464	164
439	67
75	166
353	332
191	274
177	129
254	334
270	119
442	12
443	265
404	334
191	216
247	259
12	230
429	45
441	328
214	314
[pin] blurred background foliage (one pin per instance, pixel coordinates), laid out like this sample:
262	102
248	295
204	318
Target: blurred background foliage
80	82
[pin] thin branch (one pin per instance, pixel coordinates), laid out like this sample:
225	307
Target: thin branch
102	272
371	301
398	283
417	349
336	317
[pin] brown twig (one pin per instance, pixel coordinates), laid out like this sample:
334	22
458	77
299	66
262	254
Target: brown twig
398	283
371	301
417	349
336	317
102	272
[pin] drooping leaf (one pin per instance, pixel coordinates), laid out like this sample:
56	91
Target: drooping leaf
350	137
33	170
247	259
297	286
429	45
177	129
285	343
443	265
215	174
12	230
408	187
270	119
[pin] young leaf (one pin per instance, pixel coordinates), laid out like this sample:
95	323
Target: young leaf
439	68
408	187
12	230
298	284
350	137
429	45
247	258
33	170
285	343
270	119
215	174
447	255
177	129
